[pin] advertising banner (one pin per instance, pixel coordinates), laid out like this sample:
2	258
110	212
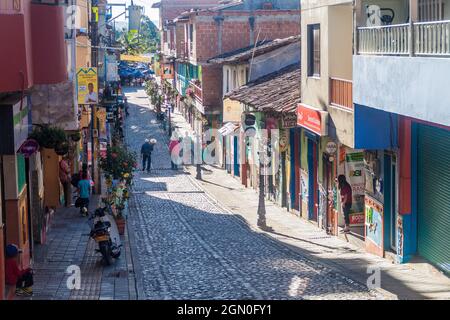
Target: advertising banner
354	169
304	178
87	86
374	225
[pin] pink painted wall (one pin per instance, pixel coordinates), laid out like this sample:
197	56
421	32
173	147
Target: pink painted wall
33	47
49	48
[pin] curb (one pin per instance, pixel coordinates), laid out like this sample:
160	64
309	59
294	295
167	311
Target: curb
137	268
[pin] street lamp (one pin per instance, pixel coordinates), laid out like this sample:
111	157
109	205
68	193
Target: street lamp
199	158
261	199
169	107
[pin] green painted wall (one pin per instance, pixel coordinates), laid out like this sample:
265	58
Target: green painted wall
21	175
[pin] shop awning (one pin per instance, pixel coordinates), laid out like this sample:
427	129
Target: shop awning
228	129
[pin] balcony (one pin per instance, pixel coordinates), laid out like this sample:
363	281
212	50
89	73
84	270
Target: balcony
182	84
341	93
197	90
168	50
429	39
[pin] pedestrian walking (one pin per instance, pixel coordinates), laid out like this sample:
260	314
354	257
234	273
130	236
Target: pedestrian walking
174	151
65	179
146	153
14	276
346	200
84	191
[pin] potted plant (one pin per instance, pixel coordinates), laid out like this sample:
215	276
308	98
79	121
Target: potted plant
118	166
62	148
75	137
190	92
49	137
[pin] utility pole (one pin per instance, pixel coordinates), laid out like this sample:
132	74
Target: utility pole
94	58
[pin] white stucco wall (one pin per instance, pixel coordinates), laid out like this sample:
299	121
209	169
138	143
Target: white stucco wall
411	86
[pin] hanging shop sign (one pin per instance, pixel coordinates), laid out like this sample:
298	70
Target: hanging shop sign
87	85
103	149
354	172
374	225
231	111
28	148
167	71
331	148
289	120
283	141
312	119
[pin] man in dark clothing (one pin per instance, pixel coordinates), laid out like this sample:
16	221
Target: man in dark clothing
346	199
146	152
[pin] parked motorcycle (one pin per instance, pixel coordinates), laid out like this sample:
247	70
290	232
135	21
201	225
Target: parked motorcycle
104	231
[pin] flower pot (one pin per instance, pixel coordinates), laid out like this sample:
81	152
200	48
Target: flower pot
120	222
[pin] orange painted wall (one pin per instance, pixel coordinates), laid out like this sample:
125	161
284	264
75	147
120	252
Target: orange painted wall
51	178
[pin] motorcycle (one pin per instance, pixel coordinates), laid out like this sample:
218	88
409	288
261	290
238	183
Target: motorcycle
104	231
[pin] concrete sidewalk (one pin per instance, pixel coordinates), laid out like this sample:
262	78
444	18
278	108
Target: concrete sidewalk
415	280
68	244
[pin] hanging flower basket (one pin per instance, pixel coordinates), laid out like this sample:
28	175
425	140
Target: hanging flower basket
49	137
75	137
62	148
190	92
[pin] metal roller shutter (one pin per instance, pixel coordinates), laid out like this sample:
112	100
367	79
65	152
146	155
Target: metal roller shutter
434	195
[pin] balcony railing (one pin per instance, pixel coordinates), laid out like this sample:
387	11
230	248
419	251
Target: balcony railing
384	40
182	85
341	93
430	39
198	91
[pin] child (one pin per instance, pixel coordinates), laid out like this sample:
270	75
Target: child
22	279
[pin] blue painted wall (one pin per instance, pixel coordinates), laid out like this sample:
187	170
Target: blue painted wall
375	129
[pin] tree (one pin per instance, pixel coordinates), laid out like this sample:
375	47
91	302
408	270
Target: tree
144	41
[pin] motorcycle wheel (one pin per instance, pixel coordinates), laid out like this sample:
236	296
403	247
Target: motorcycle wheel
105	250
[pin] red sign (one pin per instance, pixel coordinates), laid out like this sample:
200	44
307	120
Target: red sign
28	148
310	119
357	219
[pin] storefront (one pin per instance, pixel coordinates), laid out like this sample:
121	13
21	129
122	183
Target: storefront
14	130
433	194
314	123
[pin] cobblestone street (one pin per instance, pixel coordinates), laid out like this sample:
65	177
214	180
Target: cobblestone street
189	247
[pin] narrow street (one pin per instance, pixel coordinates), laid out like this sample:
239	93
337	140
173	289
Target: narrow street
189	247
